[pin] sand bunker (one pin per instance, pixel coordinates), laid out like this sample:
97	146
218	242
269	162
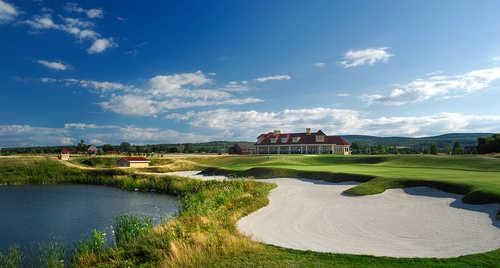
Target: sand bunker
411	222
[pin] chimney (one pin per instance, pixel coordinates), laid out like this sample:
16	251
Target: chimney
308	131
276	131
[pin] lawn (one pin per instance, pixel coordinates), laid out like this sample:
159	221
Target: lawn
204	234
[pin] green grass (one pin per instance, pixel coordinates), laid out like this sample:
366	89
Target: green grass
99	162
204	233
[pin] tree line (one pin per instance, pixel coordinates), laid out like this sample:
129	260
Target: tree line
484	145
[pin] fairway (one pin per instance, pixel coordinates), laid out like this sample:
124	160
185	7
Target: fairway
474	175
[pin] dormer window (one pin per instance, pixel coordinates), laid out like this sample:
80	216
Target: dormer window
273	140
284	140
320	138
295	139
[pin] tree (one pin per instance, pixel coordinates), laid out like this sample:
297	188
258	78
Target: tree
107	147
434	149
125	146
81	146
356	147
489	144
447	149
457	148
235	149
188	148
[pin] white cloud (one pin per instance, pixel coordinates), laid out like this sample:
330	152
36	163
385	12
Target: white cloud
251	123
71	133
369	56
7	12
100	45
91	13
236	86
496	58
78	28
89	84
139	105
343	95
88	126
438	86
131	105
164	93
319	64
54	65
248	124
26	135
273	77
173	86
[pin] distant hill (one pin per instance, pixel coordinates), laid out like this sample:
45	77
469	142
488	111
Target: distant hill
466	139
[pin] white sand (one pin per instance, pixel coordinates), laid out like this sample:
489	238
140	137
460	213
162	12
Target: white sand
411	222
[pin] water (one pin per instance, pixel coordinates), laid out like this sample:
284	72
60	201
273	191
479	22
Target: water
37	214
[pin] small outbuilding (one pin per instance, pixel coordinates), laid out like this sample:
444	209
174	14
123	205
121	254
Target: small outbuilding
65	154
134	162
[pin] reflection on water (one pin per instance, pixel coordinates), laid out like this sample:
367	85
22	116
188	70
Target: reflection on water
34	214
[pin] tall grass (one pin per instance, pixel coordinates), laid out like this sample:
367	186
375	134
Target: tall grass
12	258
129	227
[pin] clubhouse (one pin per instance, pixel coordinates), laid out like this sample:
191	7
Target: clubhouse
301	143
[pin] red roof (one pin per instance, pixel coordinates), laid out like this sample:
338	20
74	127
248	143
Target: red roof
134	159
67	151
304	138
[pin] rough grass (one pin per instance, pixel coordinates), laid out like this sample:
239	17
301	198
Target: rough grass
204	233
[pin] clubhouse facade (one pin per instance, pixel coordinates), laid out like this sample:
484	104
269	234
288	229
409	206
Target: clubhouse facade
301	143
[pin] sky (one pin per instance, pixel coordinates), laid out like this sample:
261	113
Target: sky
190	71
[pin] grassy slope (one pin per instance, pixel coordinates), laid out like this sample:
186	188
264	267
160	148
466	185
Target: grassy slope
204	234
477	176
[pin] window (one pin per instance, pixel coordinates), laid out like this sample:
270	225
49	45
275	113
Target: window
273	140
283	140
296	139
320	138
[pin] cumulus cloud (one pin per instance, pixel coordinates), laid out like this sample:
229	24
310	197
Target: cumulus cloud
334	121
92	13
177	91
7	12
54	65
163	93
100	45
71	133
273	77
369	56
26	135
438	86
139	105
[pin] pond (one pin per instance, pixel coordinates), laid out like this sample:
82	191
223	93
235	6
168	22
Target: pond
37	214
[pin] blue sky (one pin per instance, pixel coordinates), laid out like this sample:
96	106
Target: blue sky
187	71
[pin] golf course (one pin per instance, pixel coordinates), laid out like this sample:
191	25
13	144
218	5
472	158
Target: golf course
209	229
